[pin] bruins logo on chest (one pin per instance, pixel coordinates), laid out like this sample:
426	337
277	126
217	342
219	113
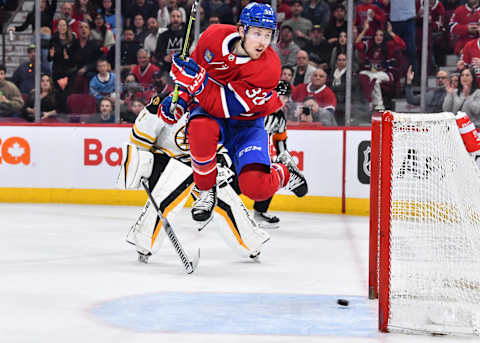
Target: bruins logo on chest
181	140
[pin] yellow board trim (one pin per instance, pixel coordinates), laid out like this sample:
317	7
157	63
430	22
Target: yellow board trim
313	204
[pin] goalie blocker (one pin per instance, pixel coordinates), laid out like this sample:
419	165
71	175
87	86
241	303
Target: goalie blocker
171	182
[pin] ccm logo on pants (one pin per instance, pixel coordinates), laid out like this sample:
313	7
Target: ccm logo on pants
249	149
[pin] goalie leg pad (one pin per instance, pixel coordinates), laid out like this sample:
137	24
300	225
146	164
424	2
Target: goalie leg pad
241	232
136	163
170	191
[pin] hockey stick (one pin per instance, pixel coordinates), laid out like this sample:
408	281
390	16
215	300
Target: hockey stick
186	44
190	265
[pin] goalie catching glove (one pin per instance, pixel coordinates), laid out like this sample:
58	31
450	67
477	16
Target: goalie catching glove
189	74
180	108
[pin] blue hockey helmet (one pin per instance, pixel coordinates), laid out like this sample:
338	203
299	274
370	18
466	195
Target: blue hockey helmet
258	15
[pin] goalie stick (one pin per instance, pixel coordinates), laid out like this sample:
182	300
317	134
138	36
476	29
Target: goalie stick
190	265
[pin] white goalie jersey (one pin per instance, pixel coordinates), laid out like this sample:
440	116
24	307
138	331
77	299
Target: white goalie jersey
171	183
152	133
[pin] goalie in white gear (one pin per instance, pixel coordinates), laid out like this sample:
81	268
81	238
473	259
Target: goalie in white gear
159	152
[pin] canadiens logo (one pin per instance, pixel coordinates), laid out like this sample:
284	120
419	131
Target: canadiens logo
181	140
208	56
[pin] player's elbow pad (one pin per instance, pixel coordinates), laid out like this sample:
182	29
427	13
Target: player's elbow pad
136	164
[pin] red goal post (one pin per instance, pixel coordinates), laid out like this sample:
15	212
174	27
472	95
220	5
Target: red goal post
424	258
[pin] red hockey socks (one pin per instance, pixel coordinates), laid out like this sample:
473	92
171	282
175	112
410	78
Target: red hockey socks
203	135
259	184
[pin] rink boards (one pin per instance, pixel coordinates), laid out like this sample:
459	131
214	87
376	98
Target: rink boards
80	163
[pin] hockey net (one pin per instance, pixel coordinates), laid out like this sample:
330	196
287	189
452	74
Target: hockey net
424	225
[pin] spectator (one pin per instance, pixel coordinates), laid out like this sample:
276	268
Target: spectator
318	48
223	10
66	14
454	80
303	70
11	101
311	111
287	74
63	47
48	102
128	51
137	107
160	87
142	7
108	11
129	113
47	11
284	11
101	34
437	39
144	69
150	42
82	10
301	26
317	88
131	90
434	97
139	29
170	41
376	53
165	8
87	54
24	75
204	20
103	84
317	11
286	48
465	98
214	19
471	57
368	12
337	24
105	113
338	84
464	24
403	19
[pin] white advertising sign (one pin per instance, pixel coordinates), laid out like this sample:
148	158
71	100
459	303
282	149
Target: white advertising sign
60	157
89	157
357	164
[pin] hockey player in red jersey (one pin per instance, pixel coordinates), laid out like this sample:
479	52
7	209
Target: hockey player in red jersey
227	85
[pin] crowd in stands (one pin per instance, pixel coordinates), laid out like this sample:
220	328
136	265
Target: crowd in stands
78	56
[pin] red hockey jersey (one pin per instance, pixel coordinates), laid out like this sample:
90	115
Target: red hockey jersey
459	21
238	87
376	22
469	52
324	96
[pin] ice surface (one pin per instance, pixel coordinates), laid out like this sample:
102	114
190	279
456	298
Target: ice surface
67	275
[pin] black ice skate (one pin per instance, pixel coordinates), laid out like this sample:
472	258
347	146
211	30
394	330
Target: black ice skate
266	221
297	182
202	211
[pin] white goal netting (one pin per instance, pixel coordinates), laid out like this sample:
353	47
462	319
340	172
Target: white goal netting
435	228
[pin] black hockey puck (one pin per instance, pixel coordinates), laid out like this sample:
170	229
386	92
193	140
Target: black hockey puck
342	302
